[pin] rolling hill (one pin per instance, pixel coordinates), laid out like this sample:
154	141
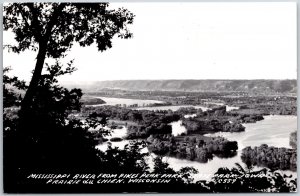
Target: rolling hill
266	86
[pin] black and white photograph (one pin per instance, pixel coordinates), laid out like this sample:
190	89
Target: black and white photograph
149	97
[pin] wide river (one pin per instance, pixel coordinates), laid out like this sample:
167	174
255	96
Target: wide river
127	102
142	104
273	131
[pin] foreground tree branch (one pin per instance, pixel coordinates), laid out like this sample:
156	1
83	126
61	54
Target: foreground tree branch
54	27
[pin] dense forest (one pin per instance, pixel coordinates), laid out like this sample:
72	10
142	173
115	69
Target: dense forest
275	158
198	148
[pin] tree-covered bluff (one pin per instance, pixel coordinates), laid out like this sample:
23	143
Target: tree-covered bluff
254	86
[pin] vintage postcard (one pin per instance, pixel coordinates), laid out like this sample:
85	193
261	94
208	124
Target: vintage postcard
150	97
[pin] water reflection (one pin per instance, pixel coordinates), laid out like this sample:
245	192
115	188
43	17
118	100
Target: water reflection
127	102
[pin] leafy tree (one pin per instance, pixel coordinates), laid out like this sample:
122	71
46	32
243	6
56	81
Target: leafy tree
52	28
161	167
248	180
129	160
11	86
46	138
282	183
187	174
12	96
46	134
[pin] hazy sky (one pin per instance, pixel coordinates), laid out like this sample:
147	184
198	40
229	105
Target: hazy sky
189	41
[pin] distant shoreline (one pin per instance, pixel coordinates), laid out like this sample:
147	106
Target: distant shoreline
250	86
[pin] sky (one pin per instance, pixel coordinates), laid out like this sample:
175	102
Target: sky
192	40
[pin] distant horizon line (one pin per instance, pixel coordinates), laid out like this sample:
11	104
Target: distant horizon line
168	80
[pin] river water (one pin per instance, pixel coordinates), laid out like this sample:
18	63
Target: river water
273	131
142	104
127	102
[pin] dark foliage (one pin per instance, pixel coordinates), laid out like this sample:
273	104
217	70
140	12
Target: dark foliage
197	148
293	139
145	124
239	179
45	138
52	28
11	86
271	157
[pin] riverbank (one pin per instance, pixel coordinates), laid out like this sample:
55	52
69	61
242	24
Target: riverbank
266	104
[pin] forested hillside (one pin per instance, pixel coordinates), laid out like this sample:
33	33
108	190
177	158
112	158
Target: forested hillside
266	86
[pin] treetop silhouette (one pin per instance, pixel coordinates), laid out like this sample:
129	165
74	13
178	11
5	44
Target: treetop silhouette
52	28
